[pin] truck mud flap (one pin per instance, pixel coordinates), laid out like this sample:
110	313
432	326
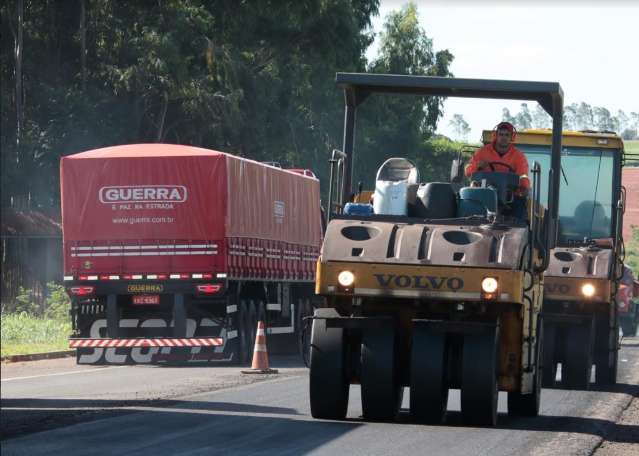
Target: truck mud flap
206	341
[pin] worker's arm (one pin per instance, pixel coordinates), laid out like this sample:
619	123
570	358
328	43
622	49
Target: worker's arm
474	164
521	168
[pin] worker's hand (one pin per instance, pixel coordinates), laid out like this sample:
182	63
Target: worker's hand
482	164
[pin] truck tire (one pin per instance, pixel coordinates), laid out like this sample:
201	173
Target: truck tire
244	335
382	391
428	375
577	365
549	367
528	404
479	386
304	330
329	384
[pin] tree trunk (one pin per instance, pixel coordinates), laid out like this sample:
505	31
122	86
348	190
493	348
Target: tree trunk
18	57
83	40
165	107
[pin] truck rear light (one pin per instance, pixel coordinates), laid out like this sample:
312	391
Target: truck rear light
174	276
136	276
82	291
114	277
92	277
162	276
207	275
83	277
104	277
208	288
152	276
197	276
67	278
127	277
221	275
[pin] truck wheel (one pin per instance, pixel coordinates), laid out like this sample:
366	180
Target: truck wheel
480	388
528	404
244	344
428	375
329	384
382	392
549	368
577	365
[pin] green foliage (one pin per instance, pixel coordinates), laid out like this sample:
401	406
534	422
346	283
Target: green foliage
22	333
577	116
252	78
58	302
632	250
398	126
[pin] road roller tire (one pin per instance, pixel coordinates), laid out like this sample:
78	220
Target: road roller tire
528	404
479	388
577	364
382	392
329	384
549	362
428	376
605	374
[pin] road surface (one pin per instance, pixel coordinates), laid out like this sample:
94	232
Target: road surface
53	406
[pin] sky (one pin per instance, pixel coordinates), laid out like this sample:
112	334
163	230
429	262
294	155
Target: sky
590	48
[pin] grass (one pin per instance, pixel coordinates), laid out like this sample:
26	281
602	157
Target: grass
23	334
631	146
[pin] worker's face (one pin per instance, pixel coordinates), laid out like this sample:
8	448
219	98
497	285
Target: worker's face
503	138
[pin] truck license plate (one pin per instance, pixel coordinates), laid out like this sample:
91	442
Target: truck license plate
146	299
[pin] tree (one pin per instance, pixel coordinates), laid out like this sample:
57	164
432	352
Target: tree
396	125
460	127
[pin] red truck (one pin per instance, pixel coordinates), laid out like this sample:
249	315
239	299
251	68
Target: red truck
172	253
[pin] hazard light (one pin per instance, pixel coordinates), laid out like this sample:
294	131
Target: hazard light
208	288
82	291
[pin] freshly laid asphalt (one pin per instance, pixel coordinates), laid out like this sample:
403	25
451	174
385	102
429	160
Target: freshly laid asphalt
53	406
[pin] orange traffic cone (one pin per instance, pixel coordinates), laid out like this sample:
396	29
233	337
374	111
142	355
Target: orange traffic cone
260	354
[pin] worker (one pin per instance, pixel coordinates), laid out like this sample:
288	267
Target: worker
501	156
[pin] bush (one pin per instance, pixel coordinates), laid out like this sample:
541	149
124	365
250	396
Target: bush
58	302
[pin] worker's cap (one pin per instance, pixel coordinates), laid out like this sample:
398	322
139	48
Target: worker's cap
505	126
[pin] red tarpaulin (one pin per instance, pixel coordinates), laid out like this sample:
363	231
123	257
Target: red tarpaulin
153	207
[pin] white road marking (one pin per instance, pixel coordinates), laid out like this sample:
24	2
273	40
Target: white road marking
62	373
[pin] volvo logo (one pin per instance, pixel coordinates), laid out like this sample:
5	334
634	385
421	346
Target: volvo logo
419	282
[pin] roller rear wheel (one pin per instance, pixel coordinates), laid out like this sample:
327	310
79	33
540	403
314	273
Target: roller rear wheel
528	404
428	377
329	384
549	372
480	389
577	365
382	392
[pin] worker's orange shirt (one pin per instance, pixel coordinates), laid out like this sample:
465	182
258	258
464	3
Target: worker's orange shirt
513	157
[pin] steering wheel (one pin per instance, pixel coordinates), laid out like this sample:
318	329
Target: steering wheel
493	163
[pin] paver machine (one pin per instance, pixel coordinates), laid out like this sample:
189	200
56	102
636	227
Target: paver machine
433	286
586	266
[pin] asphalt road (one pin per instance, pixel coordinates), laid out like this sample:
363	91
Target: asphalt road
51	407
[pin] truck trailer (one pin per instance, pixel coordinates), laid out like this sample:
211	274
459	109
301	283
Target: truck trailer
173	253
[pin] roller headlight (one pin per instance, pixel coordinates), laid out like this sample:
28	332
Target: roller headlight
489	285
346	278
588	290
